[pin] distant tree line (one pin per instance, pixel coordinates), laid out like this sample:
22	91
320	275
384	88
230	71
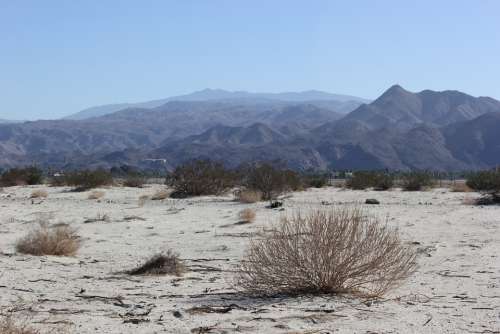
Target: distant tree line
206	177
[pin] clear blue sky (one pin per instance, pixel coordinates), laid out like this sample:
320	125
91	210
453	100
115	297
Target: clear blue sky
57	57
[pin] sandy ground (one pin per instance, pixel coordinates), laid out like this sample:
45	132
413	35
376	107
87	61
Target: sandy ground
455	290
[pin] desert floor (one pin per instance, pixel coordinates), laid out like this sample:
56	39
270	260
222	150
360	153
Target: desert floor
455	290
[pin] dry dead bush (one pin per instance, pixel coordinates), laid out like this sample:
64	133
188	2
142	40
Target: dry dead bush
99	218
249	196
160	195
59	240
40	193
460	187
167	263
247	215
96	194
336	251
9	326
469	201
16	318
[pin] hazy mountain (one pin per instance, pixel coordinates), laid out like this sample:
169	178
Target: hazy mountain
336	102
9	121
63	141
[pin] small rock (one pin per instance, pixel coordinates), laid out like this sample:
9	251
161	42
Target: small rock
372	201
275	204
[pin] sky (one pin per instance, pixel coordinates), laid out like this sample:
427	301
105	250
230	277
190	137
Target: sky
58	57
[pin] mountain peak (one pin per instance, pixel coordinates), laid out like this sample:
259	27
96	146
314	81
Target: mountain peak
394	93
395	89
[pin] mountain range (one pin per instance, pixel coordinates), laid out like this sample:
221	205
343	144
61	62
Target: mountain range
401	130
219	94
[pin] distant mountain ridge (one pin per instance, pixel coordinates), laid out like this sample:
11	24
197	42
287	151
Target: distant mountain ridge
400	108
9	121
400	130
220	94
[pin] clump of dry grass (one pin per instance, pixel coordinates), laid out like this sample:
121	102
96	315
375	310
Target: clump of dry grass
247	215
96	194
460	187
61	240
40	193
160	195
249	196
167	263
336	251
142	200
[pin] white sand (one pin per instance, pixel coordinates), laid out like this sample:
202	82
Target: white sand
455	290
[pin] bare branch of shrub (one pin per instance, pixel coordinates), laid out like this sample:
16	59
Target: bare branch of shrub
337	251
99	218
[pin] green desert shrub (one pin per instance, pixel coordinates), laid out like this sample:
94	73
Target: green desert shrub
134	180
315	180
21	176
270	181
367	179
87	179
199	178
416	181
486	182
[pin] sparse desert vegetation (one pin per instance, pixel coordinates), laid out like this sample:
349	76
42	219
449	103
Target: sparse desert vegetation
45	240
315	255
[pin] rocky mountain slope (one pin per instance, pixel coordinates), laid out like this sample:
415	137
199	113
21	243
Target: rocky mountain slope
400	130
